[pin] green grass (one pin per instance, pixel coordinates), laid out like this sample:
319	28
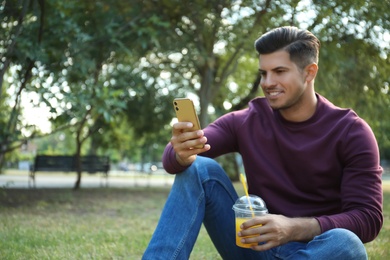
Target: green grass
102	223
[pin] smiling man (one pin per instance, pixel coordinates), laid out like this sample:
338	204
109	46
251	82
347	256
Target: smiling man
315	165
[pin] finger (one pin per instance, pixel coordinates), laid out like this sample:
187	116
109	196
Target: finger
261	242
195	145
188	148
187	135
256	221
264	246
180	126
189	139
254	231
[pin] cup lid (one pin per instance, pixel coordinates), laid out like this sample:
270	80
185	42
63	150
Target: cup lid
257	204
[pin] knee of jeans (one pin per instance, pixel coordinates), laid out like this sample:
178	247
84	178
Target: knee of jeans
203	166
348	241
342	234
205	162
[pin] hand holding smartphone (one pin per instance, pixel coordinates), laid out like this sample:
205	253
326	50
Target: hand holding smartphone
185	112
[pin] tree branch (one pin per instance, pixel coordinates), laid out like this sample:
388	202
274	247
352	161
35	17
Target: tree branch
14	34
252	94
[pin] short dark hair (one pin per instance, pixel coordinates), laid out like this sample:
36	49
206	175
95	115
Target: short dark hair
302	45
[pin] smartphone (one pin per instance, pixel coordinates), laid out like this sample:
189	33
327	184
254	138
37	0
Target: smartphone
185	112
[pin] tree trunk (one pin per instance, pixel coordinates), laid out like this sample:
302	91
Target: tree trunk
2	157
204	97
229	164
78	165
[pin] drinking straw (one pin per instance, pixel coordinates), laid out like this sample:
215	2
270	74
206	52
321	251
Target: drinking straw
243	181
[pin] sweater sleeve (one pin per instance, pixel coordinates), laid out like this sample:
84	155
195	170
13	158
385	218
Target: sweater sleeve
220	136
361	185
169	161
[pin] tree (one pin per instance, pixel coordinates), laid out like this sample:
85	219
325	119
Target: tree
204	43
99	72
354	60
207	51
19	50
99	63
80	68
210	54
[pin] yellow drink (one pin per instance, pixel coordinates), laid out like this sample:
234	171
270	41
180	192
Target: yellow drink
239	221
246	208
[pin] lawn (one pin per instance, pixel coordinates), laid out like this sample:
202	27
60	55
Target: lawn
112	223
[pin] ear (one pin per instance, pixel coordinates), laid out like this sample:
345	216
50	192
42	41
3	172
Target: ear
311	72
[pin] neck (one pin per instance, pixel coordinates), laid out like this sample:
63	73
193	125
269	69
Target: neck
302	111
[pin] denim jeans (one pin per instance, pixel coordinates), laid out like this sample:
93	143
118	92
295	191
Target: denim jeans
204	194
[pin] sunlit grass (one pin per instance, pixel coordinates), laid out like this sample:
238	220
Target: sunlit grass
379	248
103	224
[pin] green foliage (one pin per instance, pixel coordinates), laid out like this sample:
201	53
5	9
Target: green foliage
56	144
108	71
353	75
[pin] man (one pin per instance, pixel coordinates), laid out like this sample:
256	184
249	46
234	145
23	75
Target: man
315	165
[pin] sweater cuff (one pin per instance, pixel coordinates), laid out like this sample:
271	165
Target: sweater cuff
170	163
325	223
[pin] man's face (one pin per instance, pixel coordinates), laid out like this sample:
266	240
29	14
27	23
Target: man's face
282	82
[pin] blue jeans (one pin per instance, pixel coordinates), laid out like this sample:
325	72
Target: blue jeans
204	194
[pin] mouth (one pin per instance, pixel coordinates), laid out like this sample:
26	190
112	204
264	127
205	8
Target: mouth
274	94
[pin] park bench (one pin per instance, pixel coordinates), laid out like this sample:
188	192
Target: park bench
67	163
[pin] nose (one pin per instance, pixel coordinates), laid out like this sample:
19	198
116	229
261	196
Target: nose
267	81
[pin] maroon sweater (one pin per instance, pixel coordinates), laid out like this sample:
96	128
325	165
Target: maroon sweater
326	167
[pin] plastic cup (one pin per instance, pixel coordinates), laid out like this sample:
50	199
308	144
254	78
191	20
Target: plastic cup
246	208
